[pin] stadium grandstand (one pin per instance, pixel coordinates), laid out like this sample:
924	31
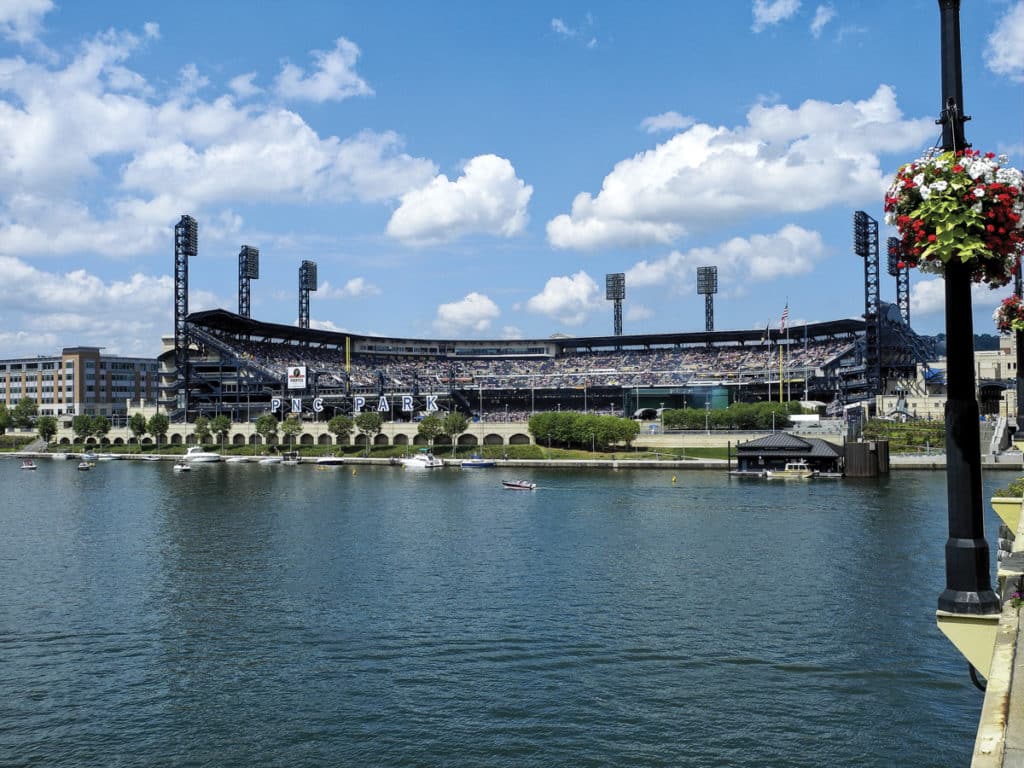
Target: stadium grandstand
239	366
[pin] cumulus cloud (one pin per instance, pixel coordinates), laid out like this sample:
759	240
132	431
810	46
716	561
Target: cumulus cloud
243	85
1004	53
928	297
20	20
61	127
488	198
666	121
791	251
352	289
823	14
638	312
569	299
474	312
125	316
783	160
334	77
767	13
582	33
511	332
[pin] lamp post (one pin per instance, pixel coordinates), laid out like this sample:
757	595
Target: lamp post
1018	338
968	584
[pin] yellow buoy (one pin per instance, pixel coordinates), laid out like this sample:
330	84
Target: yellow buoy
353	472
673	478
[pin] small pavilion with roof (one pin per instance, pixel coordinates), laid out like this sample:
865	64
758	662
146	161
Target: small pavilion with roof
774	451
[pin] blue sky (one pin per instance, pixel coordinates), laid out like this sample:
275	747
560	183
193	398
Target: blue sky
470	170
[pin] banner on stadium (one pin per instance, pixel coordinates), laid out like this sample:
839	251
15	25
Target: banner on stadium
296	377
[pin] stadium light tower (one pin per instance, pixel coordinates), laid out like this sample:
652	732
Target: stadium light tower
307	283
615	290
707	286
865	245
186	245
898	268
248	269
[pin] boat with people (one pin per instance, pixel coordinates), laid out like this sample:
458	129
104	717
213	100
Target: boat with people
182	466
28	464
476	462
519	485
797	469
84	466
196	455
424	460
291	457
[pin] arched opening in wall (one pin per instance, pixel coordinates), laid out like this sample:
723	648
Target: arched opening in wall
65	441
519	439
419	440
147	441
191	439
400	440
90	441
238	439
467	440
324	439
343	440
361	440
443	440
118	441
176	439
380	440
306	439
493	439
272	440
255	440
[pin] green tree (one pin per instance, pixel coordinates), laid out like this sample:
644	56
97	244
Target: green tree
291	427
157	426
201	429
137	425
81	425
24	413
47	427
341	427
220	425
100	427
266	425
430	427
370	423
453	425
5	418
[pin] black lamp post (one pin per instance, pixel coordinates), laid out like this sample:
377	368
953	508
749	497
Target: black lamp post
1019	344
968	583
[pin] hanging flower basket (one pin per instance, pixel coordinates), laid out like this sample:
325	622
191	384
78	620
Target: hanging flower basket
959	205
1009	315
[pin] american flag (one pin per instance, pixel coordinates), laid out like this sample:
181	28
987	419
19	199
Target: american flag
785	317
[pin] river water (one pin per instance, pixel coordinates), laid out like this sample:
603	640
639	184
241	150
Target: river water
242	615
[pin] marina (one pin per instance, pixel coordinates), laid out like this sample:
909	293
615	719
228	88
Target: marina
596	622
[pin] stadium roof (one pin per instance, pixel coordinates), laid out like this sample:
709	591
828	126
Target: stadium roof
223	320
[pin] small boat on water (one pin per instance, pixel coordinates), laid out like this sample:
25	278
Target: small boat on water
794	470
290	458
196	455
84	466
425	460
518	485
182	466
476	462
330	461
28	464
89	456
60	456
270	460
236	460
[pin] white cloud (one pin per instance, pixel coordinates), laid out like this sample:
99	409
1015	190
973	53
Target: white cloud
638	312
791	251
151	30
782	161
1004	54
125	316
569	299
353	288
472	313
562	28
769	13
326	325
823	14
928	297
488	198
20	20
511	332
243	85
666	121
581	33
62	128
334	79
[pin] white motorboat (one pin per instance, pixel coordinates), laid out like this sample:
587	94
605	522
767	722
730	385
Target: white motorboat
182	466
290	458
196	455
59	456
425	460
236	460
519	485
28	464
271	460
329	461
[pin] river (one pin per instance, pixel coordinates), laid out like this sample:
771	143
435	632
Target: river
241	615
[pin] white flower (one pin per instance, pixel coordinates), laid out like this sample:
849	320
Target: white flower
925	191
940	185
919	179
976	207
979	192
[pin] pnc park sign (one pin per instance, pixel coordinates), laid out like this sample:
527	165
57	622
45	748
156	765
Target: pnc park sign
358	404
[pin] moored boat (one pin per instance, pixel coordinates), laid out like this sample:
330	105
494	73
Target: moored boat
794	470
330	461
476	462
425	460
270	460
182	466
196	455
518	485
237	460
